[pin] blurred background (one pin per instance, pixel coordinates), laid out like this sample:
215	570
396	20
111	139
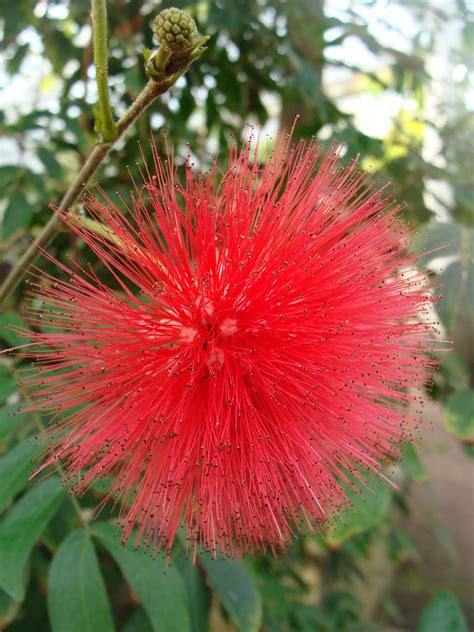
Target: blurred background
393	81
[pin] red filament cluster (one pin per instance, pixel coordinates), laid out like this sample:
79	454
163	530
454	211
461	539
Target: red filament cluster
262	333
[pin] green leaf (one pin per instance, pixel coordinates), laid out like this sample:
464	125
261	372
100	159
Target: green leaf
77	600
9	421
456	277
236	590
60	526
15	469
7	383
17	214
198	595
9	173
21	528
446	541
35	183
468	450
442	614
457	291
459	414
53	168
401	547
8	322
455	370
137	622
8	609
14	63
413	465
162	595
370	505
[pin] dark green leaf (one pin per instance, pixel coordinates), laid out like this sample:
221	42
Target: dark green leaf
162	595
58	49
21	528
370	505
17	214
137	622
413	465
8	322
7	383
14	63
53	168
9	173
15	468
61	524
468	450
134	79
457	291
455	370
446	541
236	590
456	276
77	600
9	421
8	609
35	182
401	547
459	414
442	614
198	595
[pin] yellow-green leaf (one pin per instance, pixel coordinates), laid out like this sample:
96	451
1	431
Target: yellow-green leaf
459	414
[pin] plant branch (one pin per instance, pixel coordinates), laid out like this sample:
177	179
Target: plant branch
74	192
105	125
164	67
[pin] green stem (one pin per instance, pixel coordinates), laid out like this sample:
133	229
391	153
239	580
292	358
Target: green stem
74	192
60	470
104	118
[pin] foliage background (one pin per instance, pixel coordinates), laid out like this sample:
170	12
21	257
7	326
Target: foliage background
391	79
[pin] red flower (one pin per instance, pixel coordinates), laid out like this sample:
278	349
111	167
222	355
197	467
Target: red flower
259	335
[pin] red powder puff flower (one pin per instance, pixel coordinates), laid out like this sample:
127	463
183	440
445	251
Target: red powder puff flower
260	335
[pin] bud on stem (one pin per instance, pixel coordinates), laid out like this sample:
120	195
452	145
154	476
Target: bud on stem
180	45
175	30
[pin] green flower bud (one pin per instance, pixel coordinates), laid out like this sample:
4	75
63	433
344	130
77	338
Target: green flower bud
175	30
